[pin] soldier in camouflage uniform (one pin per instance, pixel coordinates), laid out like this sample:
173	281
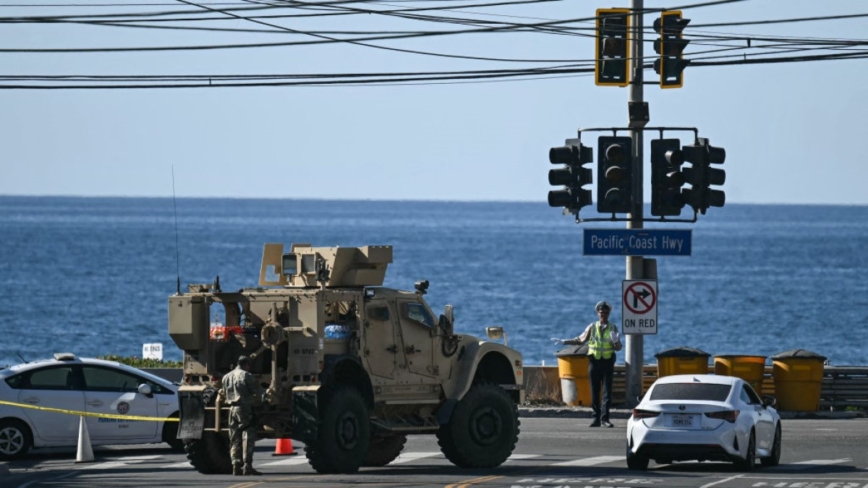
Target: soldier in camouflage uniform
241	390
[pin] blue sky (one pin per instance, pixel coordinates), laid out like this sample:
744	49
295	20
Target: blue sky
794	133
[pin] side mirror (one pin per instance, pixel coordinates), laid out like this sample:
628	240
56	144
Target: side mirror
769	401
145	389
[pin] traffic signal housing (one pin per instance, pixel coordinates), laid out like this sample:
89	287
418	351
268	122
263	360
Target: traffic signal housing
573	176
666	177
670	46
614	174
612	59
701	175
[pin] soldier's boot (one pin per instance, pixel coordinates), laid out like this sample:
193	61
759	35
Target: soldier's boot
249	471
237	470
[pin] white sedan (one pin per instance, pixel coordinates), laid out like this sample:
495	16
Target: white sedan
704	418
83	385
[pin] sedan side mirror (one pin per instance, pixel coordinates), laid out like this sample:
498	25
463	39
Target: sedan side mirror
145	389
769	401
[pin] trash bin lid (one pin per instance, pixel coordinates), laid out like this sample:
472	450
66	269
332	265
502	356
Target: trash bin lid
799	353
573	351
682	352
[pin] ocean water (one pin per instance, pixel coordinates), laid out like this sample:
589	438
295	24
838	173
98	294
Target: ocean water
92	275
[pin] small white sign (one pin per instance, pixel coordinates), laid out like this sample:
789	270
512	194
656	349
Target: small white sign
152	351
639	307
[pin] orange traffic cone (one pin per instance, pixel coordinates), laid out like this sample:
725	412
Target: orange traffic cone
284	448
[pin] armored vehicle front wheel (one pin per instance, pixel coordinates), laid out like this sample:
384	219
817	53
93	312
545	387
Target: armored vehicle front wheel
344	432
210	454
384	449
483	429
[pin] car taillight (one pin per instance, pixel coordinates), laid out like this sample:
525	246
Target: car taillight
644	414
728	415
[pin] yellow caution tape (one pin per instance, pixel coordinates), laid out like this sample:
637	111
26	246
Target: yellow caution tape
91	414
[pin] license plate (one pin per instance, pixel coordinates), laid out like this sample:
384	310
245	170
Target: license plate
683	421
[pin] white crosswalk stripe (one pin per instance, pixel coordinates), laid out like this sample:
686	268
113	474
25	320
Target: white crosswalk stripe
406	457
519	457
124	461
816	462
591	461
290	461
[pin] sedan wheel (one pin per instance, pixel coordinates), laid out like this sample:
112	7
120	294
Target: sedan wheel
14	439
749	460
636	462
775	457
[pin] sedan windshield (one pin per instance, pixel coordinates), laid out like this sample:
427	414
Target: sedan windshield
690	391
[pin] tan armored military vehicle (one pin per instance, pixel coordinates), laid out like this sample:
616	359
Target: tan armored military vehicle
353	367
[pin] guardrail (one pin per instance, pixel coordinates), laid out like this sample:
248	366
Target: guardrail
842	387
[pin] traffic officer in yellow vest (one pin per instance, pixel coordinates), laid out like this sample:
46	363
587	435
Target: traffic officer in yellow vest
603	340
240	391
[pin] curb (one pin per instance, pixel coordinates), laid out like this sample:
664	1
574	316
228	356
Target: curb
585	412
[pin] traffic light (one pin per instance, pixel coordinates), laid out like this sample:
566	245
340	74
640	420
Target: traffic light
666	177
701	175
614	174
612	66
572	177
670	46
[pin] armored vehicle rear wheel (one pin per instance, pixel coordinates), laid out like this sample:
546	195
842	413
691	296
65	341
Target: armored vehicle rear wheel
483	429
344	432
210	454
384	449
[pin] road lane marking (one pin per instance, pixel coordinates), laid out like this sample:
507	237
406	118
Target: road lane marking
817	462
294	461
406	457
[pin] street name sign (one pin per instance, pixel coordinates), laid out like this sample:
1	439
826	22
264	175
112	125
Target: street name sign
639	306
636	242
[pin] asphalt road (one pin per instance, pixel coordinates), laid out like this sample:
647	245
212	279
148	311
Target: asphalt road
552	453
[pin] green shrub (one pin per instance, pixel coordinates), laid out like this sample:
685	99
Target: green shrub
138	362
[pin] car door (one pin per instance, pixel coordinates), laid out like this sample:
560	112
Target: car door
764	423
52	387
417	323
381	348
113	391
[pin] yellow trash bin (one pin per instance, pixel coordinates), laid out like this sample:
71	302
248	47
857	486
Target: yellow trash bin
748	368
798	376
681	360
573	372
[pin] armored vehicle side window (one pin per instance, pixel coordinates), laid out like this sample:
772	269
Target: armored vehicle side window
418	313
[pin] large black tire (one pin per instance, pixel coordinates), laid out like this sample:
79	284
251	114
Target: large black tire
636	462
344	432
749	460
775	457
483	429
384	449
15	439
210	454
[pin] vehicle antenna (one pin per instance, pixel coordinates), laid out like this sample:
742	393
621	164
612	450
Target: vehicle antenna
21	357
177	251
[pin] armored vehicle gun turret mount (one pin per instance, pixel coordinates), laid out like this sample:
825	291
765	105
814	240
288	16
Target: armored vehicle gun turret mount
351	367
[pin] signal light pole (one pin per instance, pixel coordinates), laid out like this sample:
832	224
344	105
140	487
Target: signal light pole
634	347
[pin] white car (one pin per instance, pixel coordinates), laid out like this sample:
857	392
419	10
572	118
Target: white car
703	417
83	385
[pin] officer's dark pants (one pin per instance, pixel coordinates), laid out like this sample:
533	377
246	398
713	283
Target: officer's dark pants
601	371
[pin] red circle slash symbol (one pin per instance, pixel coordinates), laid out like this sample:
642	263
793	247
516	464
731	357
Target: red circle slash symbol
640	298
